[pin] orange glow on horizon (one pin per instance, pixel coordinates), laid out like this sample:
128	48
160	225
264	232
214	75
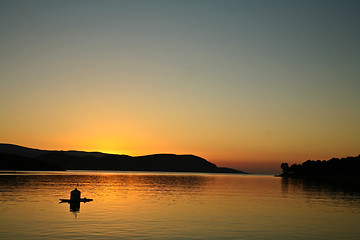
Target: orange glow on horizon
245	160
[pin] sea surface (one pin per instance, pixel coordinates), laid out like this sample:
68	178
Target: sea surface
139	205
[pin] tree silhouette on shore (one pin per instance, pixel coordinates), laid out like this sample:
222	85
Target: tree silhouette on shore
348	166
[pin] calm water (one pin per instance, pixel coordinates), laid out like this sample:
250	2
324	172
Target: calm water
176	206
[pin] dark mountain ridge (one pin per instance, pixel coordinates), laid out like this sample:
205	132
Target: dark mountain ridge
14	162
78	160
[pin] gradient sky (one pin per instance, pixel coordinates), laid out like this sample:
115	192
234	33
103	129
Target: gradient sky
244	84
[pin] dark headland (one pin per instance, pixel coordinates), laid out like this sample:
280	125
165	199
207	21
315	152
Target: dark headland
14	157
335	168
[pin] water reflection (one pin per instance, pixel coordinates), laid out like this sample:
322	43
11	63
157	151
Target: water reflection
339	192
153	181
176	206
74	207
112	190
103	186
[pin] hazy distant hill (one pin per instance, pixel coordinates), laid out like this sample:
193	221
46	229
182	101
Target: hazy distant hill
77	160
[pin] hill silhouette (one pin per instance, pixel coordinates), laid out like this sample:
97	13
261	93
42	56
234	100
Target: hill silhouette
348	167
13	162
78	160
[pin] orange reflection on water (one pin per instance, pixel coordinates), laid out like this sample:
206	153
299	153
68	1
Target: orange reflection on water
168	206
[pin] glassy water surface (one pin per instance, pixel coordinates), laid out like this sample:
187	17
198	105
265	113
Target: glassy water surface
176	206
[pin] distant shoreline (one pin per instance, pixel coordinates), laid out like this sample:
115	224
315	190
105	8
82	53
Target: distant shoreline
111	172
14	157
333	169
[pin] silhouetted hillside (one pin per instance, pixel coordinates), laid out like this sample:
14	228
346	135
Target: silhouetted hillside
20	151
13	162
334	168
76	160
156	162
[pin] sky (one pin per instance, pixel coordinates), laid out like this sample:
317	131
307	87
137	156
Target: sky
243	84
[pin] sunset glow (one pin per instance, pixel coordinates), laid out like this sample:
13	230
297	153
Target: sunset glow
243	84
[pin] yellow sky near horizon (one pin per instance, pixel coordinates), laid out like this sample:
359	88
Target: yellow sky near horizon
242	84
